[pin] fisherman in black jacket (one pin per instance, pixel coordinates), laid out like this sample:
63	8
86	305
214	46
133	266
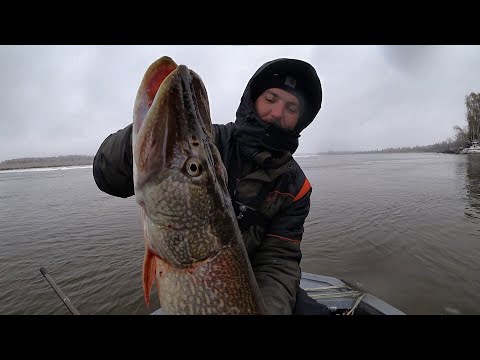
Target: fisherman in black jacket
269	191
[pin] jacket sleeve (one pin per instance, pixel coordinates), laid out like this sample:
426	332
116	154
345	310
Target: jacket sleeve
276	263
113	166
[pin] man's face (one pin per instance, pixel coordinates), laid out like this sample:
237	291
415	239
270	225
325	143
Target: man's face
279	107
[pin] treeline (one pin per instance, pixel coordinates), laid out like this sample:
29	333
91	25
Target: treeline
443	147
41	162
452	146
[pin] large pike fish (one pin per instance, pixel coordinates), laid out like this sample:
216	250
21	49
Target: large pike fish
194	248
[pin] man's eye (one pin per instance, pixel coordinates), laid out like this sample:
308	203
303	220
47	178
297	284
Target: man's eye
269	99
292	109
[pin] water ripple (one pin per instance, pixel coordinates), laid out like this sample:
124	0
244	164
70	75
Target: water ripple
405	226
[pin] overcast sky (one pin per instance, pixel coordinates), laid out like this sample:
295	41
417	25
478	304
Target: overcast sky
62	100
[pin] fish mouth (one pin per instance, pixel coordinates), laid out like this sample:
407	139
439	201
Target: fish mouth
171	117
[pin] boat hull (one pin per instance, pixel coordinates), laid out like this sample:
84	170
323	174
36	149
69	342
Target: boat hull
340	297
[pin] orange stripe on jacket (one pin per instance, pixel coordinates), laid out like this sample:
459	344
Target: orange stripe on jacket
284	238
303	191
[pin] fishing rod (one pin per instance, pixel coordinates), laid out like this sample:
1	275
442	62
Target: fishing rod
59	292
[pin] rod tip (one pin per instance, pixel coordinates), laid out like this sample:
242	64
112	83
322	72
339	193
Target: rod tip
43	270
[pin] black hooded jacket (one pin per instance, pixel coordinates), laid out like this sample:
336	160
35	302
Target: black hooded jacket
269	191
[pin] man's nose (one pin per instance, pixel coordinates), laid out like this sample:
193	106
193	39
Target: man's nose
277	111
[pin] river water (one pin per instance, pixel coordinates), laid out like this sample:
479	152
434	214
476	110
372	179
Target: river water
406	227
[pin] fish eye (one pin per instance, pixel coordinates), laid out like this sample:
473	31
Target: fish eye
194	167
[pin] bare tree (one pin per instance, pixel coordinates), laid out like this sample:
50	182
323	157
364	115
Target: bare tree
461	138
472	102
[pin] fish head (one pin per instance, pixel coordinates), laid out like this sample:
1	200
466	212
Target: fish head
180	181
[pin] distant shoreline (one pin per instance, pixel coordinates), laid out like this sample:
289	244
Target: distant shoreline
46	162
84	160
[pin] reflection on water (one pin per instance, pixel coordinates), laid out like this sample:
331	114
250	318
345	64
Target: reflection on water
473	185
397	225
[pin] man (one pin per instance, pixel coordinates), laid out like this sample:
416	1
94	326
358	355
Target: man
269	191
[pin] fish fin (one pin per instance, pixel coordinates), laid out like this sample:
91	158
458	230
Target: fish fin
148	274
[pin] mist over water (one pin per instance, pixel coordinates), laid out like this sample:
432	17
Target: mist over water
406	227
